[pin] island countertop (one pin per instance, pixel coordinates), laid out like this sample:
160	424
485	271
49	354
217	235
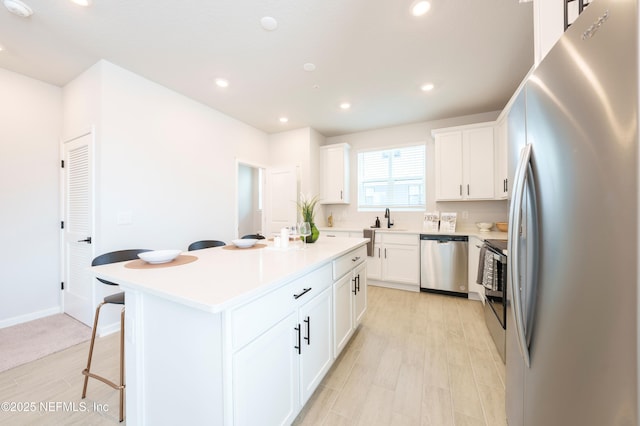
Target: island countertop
221	278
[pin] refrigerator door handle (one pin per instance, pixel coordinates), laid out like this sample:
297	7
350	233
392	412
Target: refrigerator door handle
515	224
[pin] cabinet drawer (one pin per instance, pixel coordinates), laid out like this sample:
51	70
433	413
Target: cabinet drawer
254	318
406	239
347	262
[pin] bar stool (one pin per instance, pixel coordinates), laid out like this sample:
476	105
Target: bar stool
253	237
199	245
116	299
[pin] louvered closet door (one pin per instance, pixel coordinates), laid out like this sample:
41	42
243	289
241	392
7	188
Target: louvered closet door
78	228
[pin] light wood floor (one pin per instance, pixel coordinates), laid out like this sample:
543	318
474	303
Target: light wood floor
417	359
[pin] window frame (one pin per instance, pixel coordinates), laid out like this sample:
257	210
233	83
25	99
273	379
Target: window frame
372	208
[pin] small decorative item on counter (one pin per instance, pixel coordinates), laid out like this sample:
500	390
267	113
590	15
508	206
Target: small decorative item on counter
284	237
431	221
307	207
484	226
448	222
329	220
377	225
502	226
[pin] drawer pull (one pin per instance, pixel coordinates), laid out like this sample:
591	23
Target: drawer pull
304	291
355	259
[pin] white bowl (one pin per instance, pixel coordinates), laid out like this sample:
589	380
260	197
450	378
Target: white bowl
159	256
244	243
484	226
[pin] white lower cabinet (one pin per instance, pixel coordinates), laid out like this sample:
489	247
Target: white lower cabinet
267	366
314	342
360	292
349	296
395	261
276	372
343	313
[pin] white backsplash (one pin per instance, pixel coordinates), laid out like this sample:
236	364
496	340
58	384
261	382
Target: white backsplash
347	216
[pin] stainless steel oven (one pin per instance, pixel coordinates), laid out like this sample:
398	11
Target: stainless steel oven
493	277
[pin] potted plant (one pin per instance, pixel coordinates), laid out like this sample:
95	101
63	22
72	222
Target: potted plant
306	207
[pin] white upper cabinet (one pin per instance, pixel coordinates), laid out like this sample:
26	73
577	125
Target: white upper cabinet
464	163
334	174
502	169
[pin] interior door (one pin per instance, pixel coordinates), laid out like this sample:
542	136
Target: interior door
282	194
78	228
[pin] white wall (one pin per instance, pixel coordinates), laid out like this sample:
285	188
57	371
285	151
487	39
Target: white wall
167	160
29	202
299	147
348	215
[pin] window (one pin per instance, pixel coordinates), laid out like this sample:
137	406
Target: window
392	178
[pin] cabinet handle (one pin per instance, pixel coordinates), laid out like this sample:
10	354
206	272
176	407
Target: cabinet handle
378	252
385	252
308	338
304	291
461	190
341	195
299	345
355	291
355	259
358	282
467	189
332	236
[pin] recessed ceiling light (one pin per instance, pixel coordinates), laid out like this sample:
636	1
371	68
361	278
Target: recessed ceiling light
84	3
419	8
283	119
221	82
18	8
427	87
269	23
309	66
345	105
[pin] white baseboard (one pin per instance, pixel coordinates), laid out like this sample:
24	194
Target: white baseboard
30	317
105	330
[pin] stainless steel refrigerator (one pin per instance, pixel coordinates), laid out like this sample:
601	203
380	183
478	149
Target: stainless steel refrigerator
572	330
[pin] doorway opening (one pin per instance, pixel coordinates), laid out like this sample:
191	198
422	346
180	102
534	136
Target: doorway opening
250	194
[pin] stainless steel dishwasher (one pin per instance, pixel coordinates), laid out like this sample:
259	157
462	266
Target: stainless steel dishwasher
443	264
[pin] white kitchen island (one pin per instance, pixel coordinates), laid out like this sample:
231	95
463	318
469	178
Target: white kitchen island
237	337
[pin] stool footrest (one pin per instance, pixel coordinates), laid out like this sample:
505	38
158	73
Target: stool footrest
102	379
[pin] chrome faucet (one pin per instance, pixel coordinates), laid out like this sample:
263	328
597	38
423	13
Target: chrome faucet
387	215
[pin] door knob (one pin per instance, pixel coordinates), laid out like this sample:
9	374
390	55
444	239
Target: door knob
86	240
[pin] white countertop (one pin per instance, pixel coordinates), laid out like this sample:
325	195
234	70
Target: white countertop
475	232
222	278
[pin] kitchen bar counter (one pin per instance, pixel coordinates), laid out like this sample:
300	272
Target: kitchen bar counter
223	278
225	339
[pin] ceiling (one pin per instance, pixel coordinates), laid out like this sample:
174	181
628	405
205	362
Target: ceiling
371	53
